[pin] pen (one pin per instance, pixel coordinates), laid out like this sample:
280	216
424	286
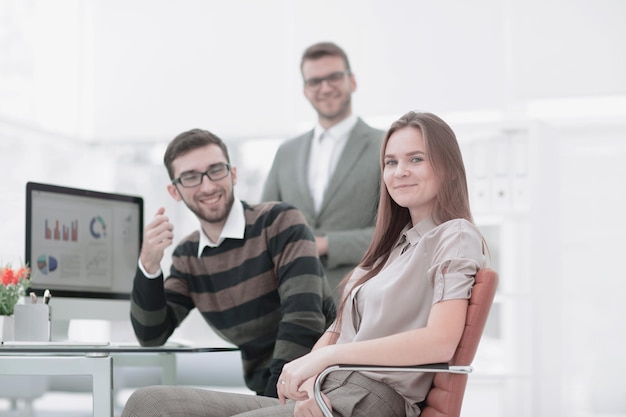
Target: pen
33	297
46	296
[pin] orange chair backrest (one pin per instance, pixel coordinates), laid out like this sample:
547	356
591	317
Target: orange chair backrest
445	397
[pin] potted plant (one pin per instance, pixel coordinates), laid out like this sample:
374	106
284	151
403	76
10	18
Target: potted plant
13	284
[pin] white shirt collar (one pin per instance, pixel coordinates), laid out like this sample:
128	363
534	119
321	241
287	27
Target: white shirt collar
339	130
234	228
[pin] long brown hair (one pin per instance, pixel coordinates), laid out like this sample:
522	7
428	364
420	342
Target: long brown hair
452	201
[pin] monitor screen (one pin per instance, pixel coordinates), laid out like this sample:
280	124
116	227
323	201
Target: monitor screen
82	243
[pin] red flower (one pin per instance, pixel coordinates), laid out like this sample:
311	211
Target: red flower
13	285
9	277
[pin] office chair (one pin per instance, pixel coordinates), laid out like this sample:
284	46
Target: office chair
445	396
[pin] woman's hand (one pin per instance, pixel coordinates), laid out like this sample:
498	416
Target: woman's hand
295	373
309	407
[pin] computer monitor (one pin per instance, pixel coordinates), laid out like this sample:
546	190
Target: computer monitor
83	246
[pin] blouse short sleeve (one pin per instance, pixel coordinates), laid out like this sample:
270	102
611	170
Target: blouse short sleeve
457	251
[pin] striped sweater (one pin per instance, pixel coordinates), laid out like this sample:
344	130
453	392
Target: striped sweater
266	293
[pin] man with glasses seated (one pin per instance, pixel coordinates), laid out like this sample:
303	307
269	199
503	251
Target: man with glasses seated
252	271
331	173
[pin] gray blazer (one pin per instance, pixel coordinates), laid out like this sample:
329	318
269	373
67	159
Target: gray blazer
347	214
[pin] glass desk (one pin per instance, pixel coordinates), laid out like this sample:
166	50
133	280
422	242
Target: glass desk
96	360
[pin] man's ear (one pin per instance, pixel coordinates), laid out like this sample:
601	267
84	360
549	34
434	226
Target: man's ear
171	188
352	83
233	174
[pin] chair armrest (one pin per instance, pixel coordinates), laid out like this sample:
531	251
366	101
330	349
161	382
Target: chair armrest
432	368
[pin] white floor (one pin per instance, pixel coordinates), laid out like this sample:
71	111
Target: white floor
50	405
56	404
62	404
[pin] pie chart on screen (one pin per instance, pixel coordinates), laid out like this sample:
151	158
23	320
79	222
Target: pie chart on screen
46	264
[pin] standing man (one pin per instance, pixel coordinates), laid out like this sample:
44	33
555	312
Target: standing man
252	271
331	173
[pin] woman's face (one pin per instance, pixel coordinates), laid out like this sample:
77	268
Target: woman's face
408	173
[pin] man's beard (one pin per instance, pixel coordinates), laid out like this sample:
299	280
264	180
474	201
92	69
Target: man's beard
341	113
212	216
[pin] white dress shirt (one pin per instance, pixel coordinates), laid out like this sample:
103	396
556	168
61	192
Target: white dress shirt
234	228
326	148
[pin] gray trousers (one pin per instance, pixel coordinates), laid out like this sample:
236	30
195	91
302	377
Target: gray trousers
351	395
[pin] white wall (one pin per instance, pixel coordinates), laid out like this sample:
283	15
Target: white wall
92	90
148	69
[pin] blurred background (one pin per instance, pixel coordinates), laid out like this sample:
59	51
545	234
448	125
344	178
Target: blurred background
91	92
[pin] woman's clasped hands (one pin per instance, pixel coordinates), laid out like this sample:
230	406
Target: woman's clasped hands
297	379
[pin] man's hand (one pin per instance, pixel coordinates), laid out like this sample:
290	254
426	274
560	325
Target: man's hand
157	236
321	242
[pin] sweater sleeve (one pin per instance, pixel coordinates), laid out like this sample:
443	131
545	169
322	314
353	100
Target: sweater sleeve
155	309
306	305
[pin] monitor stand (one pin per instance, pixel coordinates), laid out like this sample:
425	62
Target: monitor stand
86	319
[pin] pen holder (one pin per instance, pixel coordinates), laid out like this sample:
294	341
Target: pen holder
32	323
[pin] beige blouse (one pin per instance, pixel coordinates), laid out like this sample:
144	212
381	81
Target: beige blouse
400	297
